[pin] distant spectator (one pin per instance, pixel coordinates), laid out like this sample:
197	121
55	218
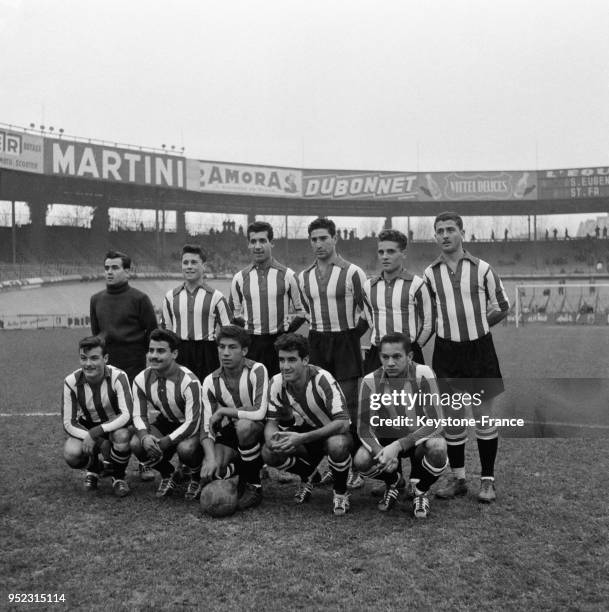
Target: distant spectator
555	232
473	237
605	232
505	234
345	234
597	232
493	235
567	237
410	235
547	234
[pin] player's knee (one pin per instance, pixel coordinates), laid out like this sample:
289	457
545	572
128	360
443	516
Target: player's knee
435	452
190	451
73	454
121	440
248	432
362	461
338	447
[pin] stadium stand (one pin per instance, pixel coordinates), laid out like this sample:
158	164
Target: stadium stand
70	250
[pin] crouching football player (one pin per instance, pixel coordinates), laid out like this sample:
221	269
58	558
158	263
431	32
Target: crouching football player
235	399
97	408
307	419
174	391
388	424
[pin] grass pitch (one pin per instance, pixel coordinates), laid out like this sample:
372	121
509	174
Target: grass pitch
543	544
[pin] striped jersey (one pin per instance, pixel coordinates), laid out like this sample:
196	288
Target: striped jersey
421	400
194	315
262	295
177	398
250	397
332	301
400	305
321	402
108	404
462	298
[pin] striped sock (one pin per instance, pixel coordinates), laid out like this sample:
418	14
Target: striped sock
298	466
119	461
340	473
251	463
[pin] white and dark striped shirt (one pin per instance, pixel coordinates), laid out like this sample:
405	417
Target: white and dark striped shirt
194	315
419	381
108	404
250	398
332	301
321	402
262	295
400	305
177	398
462	298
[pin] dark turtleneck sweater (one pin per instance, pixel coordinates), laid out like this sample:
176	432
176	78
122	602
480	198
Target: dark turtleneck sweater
124	317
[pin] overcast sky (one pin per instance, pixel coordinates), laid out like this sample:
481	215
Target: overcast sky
393	85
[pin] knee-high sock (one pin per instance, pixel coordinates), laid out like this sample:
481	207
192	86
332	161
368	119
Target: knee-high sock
251	462
389	478
340	473
429	475
119	461
487	449
298	466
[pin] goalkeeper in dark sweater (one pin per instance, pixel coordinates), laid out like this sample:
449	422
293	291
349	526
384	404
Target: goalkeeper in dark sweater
123	316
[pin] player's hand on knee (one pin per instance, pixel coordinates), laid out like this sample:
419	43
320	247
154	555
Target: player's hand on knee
387	458
88	445
151	446
286	441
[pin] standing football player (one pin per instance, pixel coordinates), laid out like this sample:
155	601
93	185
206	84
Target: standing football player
307	419
261	296
96	411
175	392
193	310
235	399
396	301
333	290
385	441
469	299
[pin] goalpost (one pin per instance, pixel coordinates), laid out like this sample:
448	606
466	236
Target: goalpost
565	303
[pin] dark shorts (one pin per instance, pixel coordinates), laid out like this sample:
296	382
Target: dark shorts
227	436
473	361
338	352
199	356
262	350
373	361
164	425
88	425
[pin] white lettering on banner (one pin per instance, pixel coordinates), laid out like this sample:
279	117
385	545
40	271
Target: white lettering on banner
87	164
111	162
116	165
219	177
63	161
360	186
11	144
602	171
